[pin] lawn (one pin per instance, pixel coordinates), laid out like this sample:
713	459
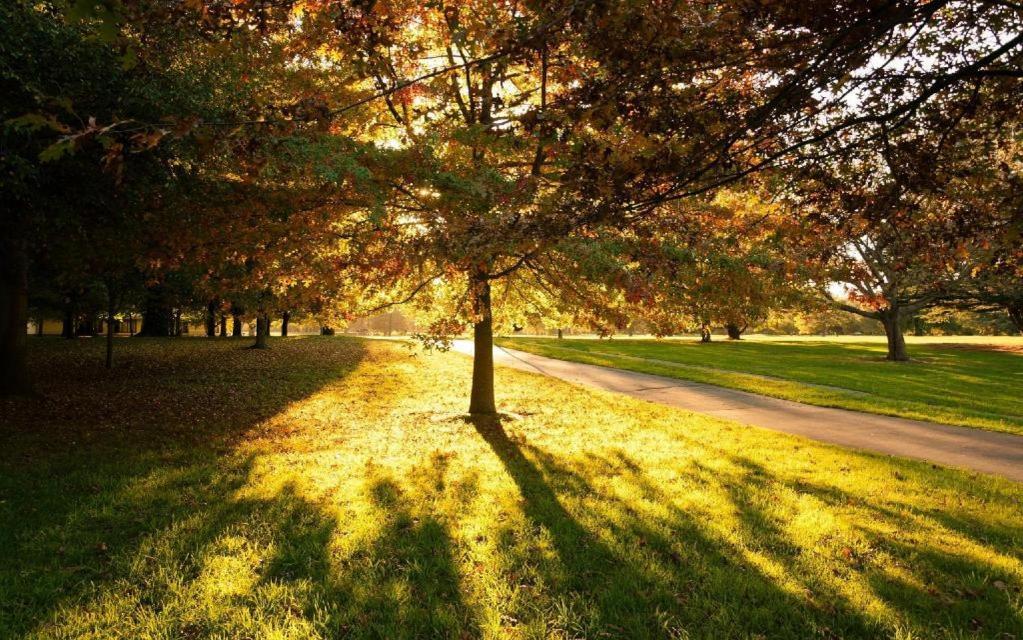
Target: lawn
331	488
970	382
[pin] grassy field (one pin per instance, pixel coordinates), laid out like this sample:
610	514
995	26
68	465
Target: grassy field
331	488
973	382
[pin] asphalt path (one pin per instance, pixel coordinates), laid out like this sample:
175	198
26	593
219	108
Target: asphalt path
975	449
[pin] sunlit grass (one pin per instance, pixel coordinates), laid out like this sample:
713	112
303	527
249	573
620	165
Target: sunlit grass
338	491
960	382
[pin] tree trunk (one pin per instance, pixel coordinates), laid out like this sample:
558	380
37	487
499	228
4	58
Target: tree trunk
236	326
262	330
285	318
211	319
481	399
1015	311
67	329
177	323
157	316
39	324
110	327
14	378
705	332
326	331
734	331
87	325
893	332
560	334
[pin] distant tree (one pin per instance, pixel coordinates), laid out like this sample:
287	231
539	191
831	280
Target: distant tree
72	206
729	263
909	224
998	288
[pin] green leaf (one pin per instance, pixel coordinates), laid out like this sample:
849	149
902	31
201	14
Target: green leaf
107	30
57	150
35	122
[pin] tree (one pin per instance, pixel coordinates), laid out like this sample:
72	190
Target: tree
909	224
454	153
725	259
69	216
512	134
997	286
210	318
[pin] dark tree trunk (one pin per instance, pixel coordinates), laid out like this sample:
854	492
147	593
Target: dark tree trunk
326	331
560	334
87	326
481	399
223	325
1015	311
14	378
211	319
177	323
236	325
893	332
67	329
157	316
111	303
285	318
39	324
734	331
705	332
262	330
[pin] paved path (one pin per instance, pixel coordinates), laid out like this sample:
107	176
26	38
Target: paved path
976	449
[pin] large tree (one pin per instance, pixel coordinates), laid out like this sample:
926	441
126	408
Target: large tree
519	131
497	139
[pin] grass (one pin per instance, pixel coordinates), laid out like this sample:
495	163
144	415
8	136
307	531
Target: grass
331	488
959	382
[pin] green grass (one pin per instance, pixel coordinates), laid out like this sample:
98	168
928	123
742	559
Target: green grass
953	382
331	488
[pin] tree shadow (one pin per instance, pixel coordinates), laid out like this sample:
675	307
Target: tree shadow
857	580
489	535
737	572
399	580
104	465
637	572
239	563
920	569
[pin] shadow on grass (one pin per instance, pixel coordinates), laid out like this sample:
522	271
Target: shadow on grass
398	580
104	465
750	572
930	570
175	534
634	573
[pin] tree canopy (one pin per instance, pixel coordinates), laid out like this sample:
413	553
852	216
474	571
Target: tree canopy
684	163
